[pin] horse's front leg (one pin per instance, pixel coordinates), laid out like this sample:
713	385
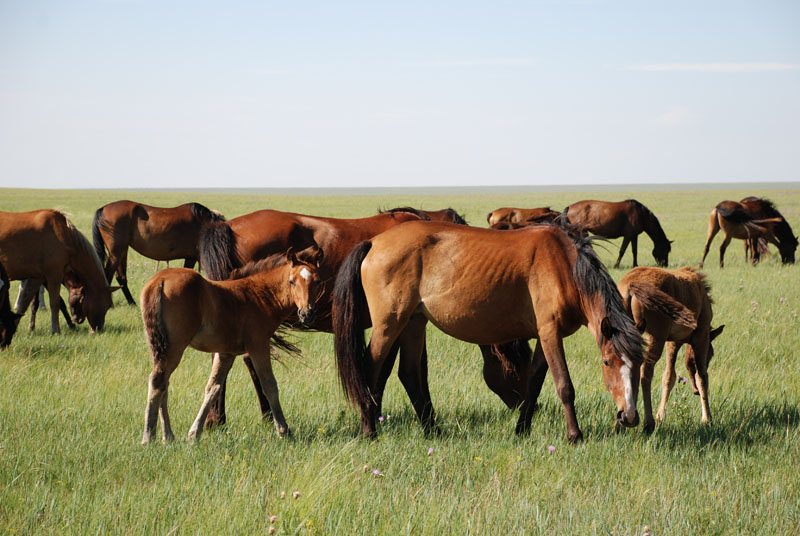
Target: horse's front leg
221	365
263	401
635	250
654	348
668	379
553	347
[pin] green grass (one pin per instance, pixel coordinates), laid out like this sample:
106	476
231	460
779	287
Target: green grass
72	407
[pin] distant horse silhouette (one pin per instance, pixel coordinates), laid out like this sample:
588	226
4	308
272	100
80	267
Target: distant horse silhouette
761	208
627	219
736	222
45	245
672	307
181	308
520	216
484	287
158	233
8	318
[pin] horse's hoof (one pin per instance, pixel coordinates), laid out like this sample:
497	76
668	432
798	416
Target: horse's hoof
649	427
575	438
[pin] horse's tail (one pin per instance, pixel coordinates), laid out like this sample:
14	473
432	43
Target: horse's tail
205	214
217	250
99	222
655	299
152	300
594	282
350	316
739	216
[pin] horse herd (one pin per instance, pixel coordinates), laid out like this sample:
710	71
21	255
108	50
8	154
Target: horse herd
532	275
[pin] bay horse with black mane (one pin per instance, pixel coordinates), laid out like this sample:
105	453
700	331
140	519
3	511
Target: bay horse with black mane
181	308
627	219
520	217
158	233
45	245
484	287
761	208
8	318
736	220
672	307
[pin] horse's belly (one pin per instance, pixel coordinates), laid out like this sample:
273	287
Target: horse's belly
483	325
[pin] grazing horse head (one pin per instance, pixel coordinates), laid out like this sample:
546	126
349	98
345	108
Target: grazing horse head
304	283
621	376
661	253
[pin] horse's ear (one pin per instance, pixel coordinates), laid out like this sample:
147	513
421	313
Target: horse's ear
318	256
606	328
671	241
716	332
291	257
641	325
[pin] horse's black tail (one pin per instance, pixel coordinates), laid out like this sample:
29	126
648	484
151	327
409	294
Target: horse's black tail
350	318
217	250
99	222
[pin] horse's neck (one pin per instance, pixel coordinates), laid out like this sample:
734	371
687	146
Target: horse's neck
270	287
653	229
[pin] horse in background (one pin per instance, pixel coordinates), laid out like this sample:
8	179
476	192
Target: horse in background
158	233
31	294
545	283
627	219
762	208
520	217
44	245
446	214
181	308
734	220
672	307
8	318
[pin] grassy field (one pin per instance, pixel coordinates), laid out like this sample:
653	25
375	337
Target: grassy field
71	416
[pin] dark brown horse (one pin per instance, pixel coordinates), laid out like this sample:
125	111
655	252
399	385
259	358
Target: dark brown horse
158	233
627	219
8	318
521	216
180	308
672	307
480	286
44	245
31	292
735	221
225	246
446	214
761	208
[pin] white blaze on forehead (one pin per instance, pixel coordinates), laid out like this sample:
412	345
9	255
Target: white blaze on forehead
305	274
625	372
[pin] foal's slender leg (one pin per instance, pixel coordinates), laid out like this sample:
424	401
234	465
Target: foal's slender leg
668	379
536	376
163	366
413	371
553	347
655	346
164	414
263	402
701	375
622	249
713	229
261	362
221	365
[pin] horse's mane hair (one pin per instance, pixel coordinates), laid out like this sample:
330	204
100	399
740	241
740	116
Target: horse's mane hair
262	265
82	243
203	213
455	216
593	279
411	210
647	216
783	231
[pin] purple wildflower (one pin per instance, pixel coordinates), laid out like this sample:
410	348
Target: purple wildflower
551	448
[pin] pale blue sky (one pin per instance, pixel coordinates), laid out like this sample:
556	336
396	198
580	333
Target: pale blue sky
135	93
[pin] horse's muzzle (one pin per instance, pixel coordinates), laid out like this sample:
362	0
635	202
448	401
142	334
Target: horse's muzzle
624	422
306	316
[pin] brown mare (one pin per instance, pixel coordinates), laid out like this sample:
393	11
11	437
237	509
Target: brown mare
521	216
672	307
736	221
761	208
158	233
627	219
225	246
45	245
545	284
180	308
8	318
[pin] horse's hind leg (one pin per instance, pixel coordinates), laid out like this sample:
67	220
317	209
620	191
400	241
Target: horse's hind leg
25	296
163	366
699	370
413	371
722	249
668	379
622	249
122	276
65	313
654	348
263	402
713	229
263	365
535	379
221	365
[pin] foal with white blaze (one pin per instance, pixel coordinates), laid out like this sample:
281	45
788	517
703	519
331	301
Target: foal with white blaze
180	308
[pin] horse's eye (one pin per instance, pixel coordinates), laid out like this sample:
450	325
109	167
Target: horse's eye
606	363
291	282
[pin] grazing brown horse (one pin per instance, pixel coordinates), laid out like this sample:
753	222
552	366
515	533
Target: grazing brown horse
446	214
180	308
484	287
672	307
29	296
761	208
225	246
521	216
627	219
158	233
8	318
736	222
45	245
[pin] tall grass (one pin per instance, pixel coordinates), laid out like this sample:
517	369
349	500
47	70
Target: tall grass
71	417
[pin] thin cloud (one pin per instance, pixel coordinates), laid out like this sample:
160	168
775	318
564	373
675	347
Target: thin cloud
674	116
484	62
718	67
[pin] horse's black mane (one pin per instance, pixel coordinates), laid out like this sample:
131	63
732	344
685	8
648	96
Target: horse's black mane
655	231
411	210
455	216
203	213
783	231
